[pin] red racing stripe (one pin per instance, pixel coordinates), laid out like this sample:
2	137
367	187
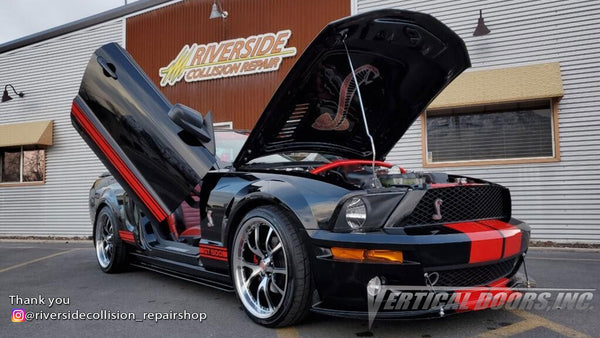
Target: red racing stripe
512	236
118	163
482	297
486	244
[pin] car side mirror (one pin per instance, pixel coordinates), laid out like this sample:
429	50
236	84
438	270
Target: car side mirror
194	124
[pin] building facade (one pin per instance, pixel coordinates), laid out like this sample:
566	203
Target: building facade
560	196
526	115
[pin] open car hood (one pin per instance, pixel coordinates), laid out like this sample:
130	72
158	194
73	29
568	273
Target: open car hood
402	61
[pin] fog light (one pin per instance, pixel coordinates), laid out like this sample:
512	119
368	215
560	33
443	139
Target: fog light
374	286
348	253
356	213
386	256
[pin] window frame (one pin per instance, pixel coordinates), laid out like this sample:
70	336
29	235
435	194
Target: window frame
223	125
524	160
21	164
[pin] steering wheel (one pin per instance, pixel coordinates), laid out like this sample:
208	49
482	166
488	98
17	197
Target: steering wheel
342	163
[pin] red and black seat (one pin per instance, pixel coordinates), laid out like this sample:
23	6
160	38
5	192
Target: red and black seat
185	221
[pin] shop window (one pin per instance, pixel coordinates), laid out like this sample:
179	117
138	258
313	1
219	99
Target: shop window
508	133
22	165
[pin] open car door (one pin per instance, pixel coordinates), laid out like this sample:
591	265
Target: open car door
157	151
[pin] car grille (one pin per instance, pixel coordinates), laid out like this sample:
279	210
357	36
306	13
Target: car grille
461	203
475	276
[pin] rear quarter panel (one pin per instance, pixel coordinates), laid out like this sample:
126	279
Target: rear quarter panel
106	191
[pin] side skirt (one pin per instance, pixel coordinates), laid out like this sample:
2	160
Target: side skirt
196	275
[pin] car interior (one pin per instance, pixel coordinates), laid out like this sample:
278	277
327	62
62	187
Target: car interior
184	223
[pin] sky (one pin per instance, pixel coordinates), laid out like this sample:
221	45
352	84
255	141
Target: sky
19	18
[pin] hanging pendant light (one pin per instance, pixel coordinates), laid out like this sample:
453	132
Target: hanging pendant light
481	28
217	12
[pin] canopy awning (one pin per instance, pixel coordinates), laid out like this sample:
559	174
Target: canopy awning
484	87
26	133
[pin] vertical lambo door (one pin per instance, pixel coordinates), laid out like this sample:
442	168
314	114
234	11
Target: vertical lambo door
157	151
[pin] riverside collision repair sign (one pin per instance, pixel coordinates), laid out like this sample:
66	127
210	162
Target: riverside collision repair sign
241	56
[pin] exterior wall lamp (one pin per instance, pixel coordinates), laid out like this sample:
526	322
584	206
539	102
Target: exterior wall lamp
217	11
481	28
6	97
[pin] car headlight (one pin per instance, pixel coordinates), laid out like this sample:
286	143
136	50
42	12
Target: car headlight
365	212
356	213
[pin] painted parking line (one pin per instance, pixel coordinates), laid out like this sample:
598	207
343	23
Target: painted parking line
38	259
529	322
556	327
511	330
287	332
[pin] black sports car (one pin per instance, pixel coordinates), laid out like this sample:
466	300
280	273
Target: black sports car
302	213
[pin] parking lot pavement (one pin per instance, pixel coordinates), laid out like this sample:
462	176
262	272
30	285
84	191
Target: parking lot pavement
69	272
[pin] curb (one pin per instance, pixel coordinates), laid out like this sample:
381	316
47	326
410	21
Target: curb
26	240
549	248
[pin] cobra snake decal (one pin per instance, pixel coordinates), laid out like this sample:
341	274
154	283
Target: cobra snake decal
365	75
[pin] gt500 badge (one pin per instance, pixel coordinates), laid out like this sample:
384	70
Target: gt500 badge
241	56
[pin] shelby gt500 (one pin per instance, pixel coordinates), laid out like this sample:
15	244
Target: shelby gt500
303	213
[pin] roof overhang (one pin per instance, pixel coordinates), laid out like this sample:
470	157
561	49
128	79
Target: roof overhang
502	85
81	24
27	133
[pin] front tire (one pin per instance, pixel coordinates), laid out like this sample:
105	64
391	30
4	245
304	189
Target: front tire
110	250
270	268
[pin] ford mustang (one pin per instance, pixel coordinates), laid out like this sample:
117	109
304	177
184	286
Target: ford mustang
302	213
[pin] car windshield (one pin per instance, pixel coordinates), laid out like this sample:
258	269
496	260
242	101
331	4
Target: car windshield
230	143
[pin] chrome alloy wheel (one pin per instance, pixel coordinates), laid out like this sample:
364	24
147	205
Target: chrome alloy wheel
260	267
104	240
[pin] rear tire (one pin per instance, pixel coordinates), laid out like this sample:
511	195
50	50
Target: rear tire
111	252
270	267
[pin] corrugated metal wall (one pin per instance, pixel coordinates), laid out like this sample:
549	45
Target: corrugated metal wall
560	200
49	73
155	38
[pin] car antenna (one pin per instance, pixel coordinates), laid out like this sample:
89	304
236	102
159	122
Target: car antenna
362	109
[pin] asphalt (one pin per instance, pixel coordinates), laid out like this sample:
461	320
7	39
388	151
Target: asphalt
69	271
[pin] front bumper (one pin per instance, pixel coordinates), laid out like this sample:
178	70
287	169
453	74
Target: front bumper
341	284
517	281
